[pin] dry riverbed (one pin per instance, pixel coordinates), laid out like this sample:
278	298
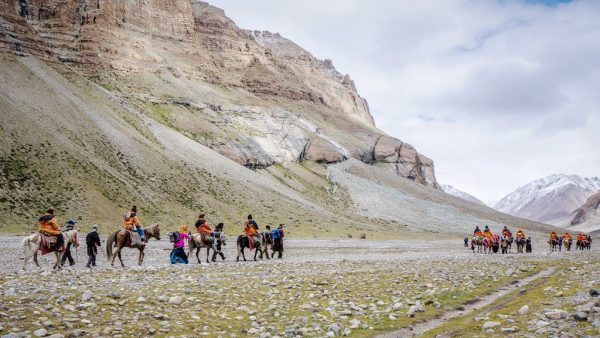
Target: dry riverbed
320	288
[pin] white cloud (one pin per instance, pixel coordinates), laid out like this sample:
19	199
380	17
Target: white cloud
497	93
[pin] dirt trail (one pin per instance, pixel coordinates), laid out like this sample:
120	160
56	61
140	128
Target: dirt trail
422	327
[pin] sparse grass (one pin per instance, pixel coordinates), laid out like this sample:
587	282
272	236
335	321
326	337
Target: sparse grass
536	296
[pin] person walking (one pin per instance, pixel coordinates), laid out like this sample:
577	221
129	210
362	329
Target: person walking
92	240
67	254
178	254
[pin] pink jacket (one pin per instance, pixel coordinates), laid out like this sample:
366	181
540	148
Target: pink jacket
181	242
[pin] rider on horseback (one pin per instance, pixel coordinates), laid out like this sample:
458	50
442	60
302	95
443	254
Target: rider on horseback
553	236
251	230
204	228
488	233
49	226
520	233
477	232
506	233
567	236
132	222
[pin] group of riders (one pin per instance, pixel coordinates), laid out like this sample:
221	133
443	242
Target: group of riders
53	238
583	240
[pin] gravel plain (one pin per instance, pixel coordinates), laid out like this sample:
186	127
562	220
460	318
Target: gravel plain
320	288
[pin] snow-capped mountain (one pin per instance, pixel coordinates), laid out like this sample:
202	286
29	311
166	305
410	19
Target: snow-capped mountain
461	194
550	198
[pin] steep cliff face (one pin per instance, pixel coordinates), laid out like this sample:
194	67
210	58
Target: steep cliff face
252	96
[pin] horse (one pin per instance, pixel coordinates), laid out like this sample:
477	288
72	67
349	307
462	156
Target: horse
488	244
505	244
553	242
120	238
243	242
509	240
568	243
197	243
521	241
477	242
583	244
33	243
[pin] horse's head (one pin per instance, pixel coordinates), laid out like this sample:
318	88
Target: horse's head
153	231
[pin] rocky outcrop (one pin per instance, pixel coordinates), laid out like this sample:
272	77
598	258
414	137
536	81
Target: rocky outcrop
405	160
586	211
322	151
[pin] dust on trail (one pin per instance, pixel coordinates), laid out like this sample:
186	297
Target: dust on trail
471	306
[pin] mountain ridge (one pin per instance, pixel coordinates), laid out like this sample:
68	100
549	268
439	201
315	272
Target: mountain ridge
550	198
461	194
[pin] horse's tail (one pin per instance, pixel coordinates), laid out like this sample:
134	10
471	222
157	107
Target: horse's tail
192	243
109	244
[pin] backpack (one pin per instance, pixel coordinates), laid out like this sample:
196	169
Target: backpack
174	237
275	234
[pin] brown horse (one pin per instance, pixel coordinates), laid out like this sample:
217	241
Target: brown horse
196	242
521	241
120	239
477	242
243	242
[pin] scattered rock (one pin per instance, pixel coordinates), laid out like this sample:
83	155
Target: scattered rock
40	333
489	325
176	300
523	310
594	292
556	314
580	316
86	295
509	330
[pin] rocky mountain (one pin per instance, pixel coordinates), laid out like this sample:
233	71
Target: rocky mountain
587	217
549	199
169	105
461	194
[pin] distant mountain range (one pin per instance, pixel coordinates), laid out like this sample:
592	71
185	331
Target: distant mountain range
461	194
550	199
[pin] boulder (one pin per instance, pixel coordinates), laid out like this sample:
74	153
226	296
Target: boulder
322	151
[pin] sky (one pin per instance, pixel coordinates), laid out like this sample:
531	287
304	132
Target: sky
497	93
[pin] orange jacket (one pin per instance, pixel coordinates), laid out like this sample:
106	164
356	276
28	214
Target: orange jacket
567	235
553	235
49	225
204	229
129	222
250	230
579	237
488	233
520	234
478	233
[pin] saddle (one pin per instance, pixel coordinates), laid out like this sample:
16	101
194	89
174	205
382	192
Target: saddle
133	239
48	243
204	239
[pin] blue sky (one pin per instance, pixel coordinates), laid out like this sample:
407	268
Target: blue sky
497	93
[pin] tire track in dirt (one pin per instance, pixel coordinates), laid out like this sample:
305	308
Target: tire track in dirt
468	308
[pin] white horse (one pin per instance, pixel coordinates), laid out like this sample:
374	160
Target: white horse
33	243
